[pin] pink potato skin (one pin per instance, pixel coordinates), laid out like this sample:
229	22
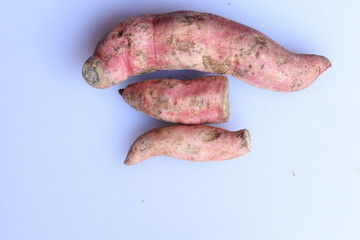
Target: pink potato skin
203	42
197	101
198	143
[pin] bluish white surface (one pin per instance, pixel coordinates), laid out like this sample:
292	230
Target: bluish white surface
62	143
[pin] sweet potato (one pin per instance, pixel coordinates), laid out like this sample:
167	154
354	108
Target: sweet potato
198	41
199	143
197	101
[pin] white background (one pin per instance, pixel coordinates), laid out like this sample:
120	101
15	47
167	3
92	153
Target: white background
62	143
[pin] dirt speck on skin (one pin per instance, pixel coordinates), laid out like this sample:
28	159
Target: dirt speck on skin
120	33
187	19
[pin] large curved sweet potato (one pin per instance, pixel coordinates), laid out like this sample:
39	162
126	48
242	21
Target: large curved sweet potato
199	41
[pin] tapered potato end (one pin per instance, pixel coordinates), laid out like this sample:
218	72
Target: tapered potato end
94	74
246	138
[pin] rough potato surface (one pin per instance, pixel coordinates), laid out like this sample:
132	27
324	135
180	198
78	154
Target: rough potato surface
198	41
197	101
194	143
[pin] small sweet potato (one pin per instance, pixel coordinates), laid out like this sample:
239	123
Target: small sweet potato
203	42
199	143
197	101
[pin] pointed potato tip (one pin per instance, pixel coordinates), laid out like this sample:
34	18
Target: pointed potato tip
325	64
126	162
121	91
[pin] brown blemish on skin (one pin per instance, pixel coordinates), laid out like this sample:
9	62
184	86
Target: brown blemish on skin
135	97
243	52
296	86
196	102
187	19
239	73
162	103
177	108
169	40
298	73
141	54
223	152
199	17
144	27
107	58
120	33
129	34
280	61
260	40
210	135
117	49
157	20
129	42
162	100
216	66
168	84
192	149
143	149
181	46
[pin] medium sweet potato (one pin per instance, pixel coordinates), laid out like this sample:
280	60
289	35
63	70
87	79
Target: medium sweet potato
194	143
197	101
198	41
